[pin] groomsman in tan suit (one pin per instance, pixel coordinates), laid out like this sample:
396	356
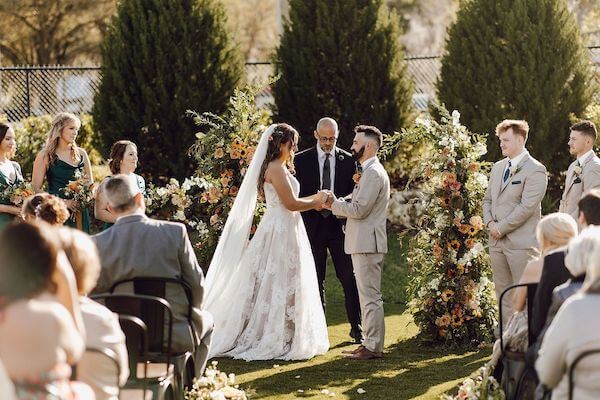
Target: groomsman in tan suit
512	208
583	173
366	237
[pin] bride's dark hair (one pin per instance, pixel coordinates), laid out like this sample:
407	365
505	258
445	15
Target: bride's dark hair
282	134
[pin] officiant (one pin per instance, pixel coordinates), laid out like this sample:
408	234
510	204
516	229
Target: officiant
325	166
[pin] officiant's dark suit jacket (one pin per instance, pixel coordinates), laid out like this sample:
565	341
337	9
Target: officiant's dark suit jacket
308	174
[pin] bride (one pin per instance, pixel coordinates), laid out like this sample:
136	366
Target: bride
263	294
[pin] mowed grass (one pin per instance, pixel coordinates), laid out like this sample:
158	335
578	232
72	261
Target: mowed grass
408	370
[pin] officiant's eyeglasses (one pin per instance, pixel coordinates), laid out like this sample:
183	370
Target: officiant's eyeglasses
327	139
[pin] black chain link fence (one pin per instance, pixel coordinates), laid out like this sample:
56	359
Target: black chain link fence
26	91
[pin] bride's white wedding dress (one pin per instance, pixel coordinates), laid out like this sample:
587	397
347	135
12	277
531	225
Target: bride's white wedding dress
269	308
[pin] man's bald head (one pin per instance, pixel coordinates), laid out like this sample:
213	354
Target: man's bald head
326	133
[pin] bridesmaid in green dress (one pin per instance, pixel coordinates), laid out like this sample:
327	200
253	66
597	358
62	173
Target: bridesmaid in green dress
59	162
123	160
10	173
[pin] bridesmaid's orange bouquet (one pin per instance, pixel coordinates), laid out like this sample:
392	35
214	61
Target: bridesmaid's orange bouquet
16	194
80	191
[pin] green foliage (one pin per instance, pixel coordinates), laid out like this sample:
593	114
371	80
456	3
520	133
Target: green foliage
451	295
32	132
161	58
519	59
341	58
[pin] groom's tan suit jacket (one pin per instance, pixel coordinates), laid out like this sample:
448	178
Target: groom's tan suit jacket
366	213
576	186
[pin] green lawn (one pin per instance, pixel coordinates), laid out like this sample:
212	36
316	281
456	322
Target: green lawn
408	370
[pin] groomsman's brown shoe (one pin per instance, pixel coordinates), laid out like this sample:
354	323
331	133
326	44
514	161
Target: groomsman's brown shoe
356	350
365	354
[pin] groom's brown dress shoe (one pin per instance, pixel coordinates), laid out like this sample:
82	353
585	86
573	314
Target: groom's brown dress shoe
356	350
365	354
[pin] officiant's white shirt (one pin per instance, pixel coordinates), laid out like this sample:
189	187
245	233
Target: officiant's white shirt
321	158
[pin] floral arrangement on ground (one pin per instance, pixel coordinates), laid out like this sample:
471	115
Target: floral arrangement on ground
215	385
450	292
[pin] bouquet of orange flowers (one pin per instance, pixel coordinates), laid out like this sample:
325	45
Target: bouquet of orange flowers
80	190
16	194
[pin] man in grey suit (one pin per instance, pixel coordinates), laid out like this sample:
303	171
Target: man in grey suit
583	173
137	246
366	237
512	208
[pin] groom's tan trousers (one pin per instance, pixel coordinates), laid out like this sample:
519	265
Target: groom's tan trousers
367	270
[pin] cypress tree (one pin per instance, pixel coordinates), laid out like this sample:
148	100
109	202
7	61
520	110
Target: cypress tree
520	59
159	59
341	58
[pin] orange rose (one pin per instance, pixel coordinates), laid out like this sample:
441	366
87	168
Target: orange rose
73	186
470	243
356	177
233	191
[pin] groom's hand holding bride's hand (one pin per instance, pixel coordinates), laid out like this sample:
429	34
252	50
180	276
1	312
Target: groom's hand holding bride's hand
330	198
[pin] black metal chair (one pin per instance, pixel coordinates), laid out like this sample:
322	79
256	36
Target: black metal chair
142	320
517	379
572	369
157	286
108	354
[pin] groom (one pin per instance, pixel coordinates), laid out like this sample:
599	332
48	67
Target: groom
366	238
328	167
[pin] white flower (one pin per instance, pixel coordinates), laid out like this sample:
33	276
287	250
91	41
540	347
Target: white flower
216	395
441	222
480	149
434	284
424	122
179	215
361	391
578	170
455	118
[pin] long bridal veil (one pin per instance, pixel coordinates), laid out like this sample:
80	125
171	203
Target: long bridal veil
234	238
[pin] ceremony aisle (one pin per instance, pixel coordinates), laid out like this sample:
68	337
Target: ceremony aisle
408	370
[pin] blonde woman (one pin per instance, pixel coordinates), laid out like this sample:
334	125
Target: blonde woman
553	232
575	329
61	161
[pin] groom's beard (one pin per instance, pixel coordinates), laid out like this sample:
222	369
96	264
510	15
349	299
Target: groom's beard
357	155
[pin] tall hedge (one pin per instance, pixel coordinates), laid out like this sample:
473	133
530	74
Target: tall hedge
159	59
343	59
519	59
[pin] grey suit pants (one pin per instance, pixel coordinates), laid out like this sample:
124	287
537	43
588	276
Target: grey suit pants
367	270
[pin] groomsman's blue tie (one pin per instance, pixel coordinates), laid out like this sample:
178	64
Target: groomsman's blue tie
507	172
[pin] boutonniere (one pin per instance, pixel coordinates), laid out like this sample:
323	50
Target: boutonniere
514	170
356	177
577	170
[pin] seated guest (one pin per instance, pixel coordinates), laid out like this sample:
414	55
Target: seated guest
45	207
101	324
554	231
137	246
41	332
123	160
589	214
575	330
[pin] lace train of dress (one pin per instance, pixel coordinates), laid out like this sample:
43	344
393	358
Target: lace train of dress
274	309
